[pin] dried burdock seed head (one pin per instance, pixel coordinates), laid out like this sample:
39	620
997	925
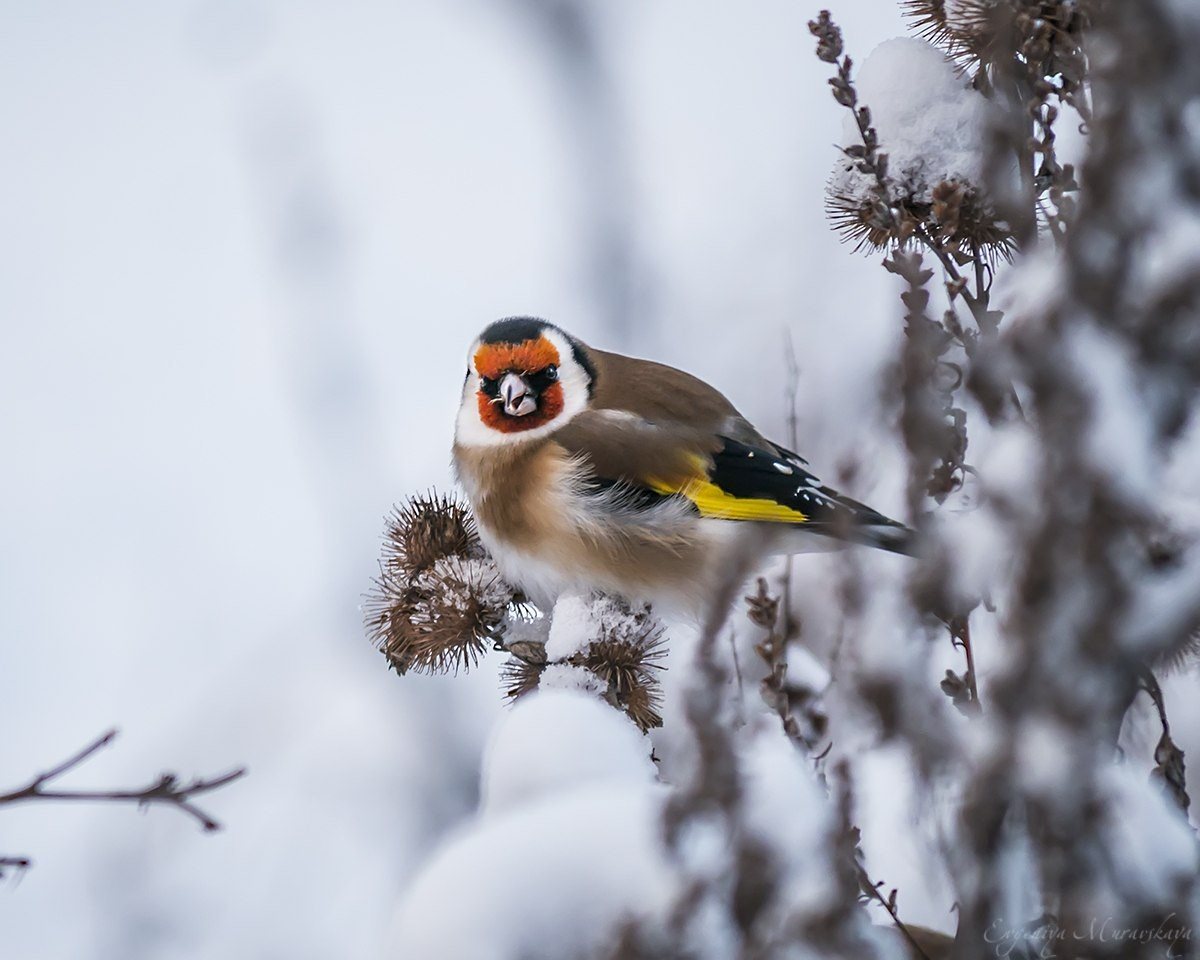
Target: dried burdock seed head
1183	656
619	648
461	611
617	651
928	18
439	601
426	529
964	29
858	222
625	658
520	677
641	704
624	662
956	216
441	621
947	205
971	31
525	640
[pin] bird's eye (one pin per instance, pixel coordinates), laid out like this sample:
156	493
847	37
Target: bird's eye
551	372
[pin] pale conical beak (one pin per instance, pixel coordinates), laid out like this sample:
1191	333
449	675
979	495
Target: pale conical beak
518	398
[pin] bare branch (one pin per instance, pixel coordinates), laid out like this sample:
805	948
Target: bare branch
872	891
166	790
1169	770
19	864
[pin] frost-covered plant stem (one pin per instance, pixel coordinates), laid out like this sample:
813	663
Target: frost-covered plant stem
764	611
1076	620
1168	758
901	227
934	428
1079	625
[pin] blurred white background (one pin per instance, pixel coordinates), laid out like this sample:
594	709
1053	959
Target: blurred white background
244	247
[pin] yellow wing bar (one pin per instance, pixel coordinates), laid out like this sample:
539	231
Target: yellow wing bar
716	503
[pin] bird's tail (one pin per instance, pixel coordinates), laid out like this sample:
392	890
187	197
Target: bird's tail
892	537
819	537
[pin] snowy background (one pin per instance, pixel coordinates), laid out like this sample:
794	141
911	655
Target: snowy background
245	246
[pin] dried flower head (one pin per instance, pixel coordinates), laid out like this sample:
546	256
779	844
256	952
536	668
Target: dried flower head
439	600
620	647
929	21
962	28
526	643
642	703
627	657
974	31
519	677
912	165
966	224
426	529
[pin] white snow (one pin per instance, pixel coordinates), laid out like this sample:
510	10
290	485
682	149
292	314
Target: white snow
902	821
549	879
520	630
1172	255
930	123
804	671
1029	287
572	627
553	740
568	842
567	676
481	582
578	620
1119	441
1148	837
790	814
1044	756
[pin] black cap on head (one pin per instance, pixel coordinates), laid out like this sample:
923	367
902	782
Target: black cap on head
520	329
515	330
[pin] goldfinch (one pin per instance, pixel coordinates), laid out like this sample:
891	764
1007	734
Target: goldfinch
589	470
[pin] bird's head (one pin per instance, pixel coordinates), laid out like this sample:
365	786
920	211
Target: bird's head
525	379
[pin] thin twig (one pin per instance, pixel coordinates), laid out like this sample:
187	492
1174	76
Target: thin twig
166	790
960	634
871	889
74	761
791	389
1149	683
763	612
14	863
737	672
1170	767
792	393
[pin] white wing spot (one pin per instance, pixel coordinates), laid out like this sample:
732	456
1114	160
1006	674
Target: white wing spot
783	468
622	416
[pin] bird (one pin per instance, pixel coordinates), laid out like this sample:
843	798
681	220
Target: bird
593	471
